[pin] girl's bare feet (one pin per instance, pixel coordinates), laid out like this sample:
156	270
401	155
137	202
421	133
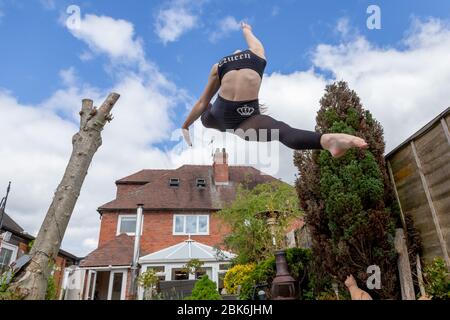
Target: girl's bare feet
339	143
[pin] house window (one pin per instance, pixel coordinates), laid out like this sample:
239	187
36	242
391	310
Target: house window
191	224
201	183
179	274
8	254
174	182
127	224
203	271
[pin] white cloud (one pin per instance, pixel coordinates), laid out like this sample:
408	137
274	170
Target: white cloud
68	76
224	27
48	4
403	88
343	26
39	146
175	20
31	158
39	137
275	11
90	243
345	30
86	56
114	37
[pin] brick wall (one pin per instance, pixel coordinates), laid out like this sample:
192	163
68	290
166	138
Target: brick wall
157	231
108	227
60	264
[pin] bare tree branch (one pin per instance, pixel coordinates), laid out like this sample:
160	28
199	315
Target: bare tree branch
31	284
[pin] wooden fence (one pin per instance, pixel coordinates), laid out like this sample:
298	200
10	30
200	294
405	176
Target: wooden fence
420	171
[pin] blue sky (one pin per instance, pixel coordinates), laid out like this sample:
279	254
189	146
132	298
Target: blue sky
157	55
36	46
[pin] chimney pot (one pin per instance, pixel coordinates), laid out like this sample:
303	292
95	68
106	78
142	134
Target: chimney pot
220	167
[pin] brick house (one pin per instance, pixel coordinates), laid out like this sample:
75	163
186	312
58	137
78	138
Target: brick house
179	223
15	242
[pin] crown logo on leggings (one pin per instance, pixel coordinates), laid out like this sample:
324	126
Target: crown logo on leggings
245	110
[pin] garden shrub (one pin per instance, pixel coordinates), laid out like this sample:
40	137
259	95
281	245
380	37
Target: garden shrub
204	289
236	276
51	289
437	281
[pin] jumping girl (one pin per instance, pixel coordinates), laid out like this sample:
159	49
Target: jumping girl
238	79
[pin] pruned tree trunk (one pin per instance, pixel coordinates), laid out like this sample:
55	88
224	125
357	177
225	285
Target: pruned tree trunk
31	283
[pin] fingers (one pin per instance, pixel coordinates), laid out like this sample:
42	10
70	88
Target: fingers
361	143
187	137
245	25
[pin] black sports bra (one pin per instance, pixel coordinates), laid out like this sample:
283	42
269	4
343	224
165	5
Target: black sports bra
241	60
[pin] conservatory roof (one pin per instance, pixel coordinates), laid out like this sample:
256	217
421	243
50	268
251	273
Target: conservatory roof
185	251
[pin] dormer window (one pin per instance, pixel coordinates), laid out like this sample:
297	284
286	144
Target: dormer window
201	183
174	182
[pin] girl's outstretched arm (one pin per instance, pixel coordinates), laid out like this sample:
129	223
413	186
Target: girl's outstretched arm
253	42
200	106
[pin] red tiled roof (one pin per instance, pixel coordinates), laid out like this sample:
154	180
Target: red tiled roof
155	193
117	252
142	176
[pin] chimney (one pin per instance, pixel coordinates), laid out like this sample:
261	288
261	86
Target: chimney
220	167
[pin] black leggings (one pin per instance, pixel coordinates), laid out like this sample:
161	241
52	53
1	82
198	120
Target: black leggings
244	119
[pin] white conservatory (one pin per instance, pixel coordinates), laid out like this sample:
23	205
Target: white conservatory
169	262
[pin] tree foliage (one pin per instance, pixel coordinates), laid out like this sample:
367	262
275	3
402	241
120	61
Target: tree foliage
250	236
348	201
148	280
192	266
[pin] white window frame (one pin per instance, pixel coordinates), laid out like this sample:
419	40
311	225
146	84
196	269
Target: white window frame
119	219
124	283
92	274
184	225
11	247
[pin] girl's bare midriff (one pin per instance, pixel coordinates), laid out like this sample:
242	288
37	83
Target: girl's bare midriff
240	85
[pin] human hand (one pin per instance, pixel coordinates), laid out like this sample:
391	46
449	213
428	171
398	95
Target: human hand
187	136
245	25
